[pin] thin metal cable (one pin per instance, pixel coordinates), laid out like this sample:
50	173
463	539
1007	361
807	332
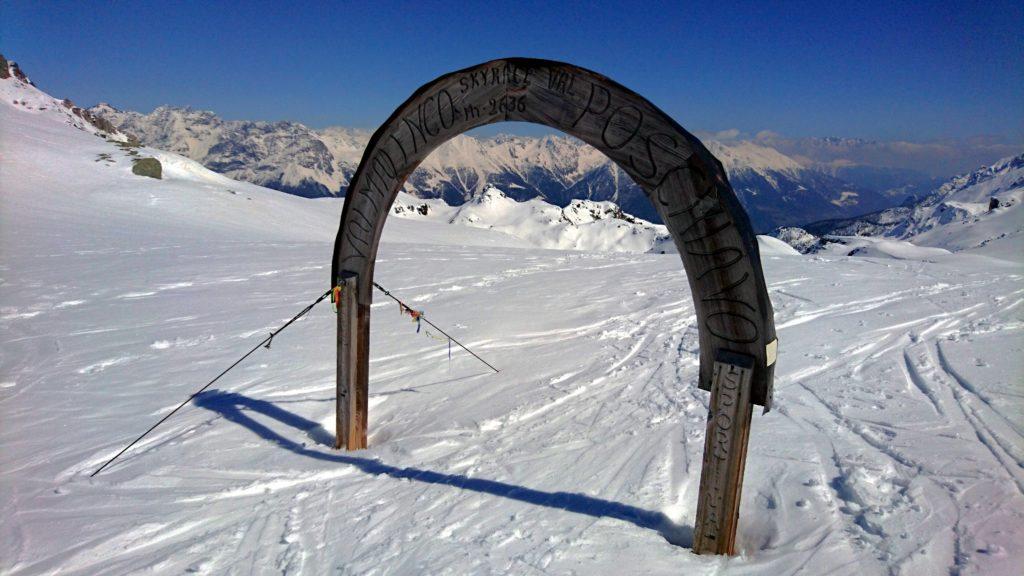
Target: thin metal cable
424	318
266	341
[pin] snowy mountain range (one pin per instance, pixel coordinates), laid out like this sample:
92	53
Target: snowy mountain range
291	157
980	209
552	191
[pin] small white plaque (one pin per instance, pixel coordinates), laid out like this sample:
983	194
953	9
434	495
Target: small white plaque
771	351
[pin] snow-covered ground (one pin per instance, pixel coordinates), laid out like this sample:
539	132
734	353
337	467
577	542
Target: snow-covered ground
895	446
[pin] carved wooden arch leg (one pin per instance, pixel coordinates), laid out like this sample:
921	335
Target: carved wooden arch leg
725	455
353	367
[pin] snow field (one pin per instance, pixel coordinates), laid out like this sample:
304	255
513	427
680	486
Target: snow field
895	446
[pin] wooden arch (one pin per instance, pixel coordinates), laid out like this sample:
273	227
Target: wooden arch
686	184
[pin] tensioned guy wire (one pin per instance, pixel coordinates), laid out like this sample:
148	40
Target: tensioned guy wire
266	341
424	318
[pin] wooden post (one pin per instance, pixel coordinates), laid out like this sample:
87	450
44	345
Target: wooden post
353	366
725	455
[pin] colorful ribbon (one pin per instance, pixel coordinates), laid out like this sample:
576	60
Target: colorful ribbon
417	316
336	298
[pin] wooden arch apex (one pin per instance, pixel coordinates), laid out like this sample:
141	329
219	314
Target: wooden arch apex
685	182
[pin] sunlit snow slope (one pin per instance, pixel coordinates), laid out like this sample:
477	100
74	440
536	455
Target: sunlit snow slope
894	448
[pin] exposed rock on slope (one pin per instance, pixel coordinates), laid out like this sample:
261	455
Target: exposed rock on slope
19	91
800	239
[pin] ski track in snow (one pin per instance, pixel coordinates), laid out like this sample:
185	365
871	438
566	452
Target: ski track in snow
881	456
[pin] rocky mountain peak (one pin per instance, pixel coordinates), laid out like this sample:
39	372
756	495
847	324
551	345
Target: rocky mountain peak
18	91
10	68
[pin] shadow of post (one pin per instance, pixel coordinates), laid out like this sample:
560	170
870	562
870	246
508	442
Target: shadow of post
232	406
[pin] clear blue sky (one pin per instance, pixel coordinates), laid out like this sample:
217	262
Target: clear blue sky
884	70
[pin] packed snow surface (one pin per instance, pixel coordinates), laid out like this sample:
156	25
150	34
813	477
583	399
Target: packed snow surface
895	446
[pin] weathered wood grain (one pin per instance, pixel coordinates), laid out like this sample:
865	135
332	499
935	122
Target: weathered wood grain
725	455
353	359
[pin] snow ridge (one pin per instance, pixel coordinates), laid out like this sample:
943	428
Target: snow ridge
18	91
582	225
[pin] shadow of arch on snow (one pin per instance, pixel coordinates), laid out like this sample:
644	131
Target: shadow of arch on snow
234	406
